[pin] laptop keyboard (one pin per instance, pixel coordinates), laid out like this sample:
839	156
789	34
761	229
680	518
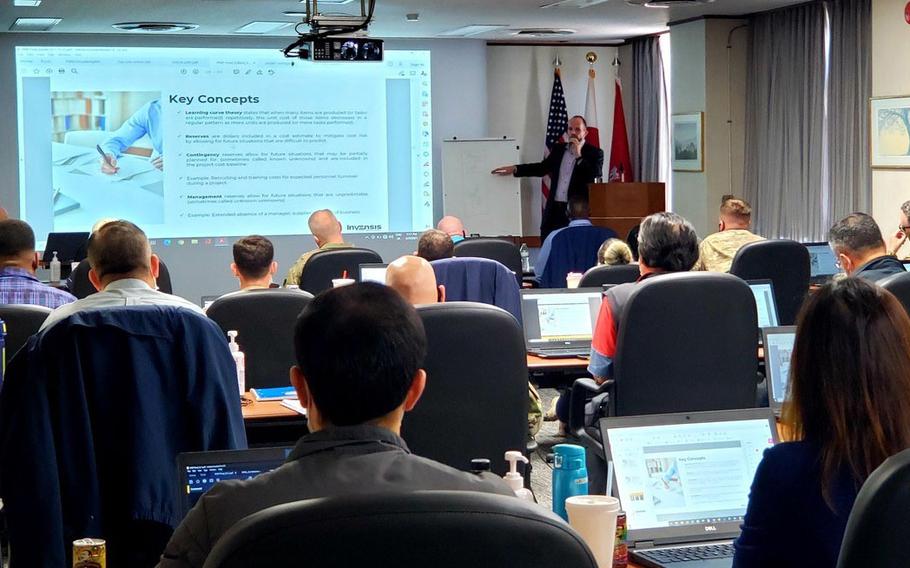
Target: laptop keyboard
560	352
669	556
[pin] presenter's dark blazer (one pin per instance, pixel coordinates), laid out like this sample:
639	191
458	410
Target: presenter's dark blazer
587	167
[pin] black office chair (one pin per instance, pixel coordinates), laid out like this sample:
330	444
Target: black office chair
443	529
899	285
328	264
22	321
476	401
877	530
264	321
786	264
81	287
504	252
597	276
686	342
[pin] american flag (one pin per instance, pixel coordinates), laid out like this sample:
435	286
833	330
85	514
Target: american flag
557	124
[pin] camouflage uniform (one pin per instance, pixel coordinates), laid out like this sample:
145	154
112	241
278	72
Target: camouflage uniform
716	252
294	273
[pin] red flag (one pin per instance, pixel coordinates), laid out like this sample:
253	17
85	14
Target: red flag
593	137
620	160
557	124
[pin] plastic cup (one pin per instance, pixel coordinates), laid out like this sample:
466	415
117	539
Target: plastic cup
339	282
572	279
594	518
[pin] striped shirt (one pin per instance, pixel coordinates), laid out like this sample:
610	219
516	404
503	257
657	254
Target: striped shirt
19	286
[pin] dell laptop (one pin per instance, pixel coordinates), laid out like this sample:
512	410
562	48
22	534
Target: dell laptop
822	263
373	272
683	481
559	322
778	342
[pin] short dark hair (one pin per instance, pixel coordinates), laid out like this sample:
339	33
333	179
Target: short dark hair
855	232
16	237
578	208
736	207
253	256
359	348
435	244
119	247
667	242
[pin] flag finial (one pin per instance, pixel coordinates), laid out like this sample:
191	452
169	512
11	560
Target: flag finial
557	62
591	57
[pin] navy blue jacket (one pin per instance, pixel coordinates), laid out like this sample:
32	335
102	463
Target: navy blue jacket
573	249
93	413
880	268
788	522
479	280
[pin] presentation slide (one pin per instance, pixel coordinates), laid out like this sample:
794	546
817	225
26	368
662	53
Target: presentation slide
222	142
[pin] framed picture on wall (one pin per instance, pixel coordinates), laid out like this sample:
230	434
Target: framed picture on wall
889	132
688	142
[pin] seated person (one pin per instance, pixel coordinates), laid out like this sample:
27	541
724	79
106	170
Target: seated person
572	248
614	252
857	241
326	231
903	231
434	244
254	263
124	272
716	252
70	282
453	227
356	394
18	263
413	277
848	410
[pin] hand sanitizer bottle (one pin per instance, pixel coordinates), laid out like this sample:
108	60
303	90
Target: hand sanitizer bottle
514	479
55	268
239	360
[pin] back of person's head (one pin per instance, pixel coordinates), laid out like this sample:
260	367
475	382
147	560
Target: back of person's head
614	251
849	389
359	348
667	242
119	249
413	277
905	209
451	225
100	223
253	256
577	208
17	240
856	233
324	226
632	241
435	244
735	211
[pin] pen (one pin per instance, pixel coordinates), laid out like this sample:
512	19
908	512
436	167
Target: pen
103	155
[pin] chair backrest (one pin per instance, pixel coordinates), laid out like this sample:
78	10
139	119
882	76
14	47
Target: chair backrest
264	321
428	528
877	530
476	401
606	274
686	342
479	280
786	264
503	252
22	321
572	249
328	264
82	287
899	285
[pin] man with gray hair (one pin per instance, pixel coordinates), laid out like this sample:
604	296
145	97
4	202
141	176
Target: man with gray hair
860	249
903	230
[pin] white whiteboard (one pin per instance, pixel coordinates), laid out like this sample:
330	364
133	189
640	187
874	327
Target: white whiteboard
488	205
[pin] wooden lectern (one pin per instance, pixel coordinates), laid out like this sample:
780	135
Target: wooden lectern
621	206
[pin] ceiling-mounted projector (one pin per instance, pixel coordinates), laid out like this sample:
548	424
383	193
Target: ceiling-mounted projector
313	44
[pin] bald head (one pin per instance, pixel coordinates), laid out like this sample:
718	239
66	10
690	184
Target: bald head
325	228
451	226
414	279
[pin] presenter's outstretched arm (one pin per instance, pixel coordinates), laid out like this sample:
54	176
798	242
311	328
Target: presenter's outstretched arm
504	171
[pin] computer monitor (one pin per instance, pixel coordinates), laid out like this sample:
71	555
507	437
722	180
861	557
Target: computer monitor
373	272
763	290
70	247
778	345
559	317
822	262
906	264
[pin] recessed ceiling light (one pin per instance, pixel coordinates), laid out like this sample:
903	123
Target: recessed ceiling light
413	17
475	29
154	27
34	24
261	27
572	3
29	3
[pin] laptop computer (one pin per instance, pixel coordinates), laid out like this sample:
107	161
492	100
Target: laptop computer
683	481
822	263
373	272
70	247
778	343
559	322
197	472
906	264
763	290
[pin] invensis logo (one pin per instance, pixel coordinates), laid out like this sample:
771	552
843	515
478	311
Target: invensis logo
363	227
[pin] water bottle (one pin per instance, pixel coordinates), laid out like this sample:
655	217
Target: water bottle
525	258
570	476
55	268
239	361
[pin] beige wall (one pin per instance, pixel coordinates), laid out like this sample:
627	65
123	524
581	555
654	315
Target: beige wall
890	77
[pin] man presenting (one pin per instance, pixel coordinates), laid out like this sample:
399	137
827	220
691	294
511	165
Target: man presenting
571	167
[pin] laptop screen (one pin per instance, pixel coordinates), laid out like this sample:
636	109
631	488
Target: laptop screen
70	247
778	344
687	470
764	301
559	317
822	261
373	273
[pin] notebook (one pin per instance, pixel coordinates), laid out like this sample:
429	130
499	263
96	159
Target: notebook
559	322
778	342
197	472
683	481
763	290
822	262
373	272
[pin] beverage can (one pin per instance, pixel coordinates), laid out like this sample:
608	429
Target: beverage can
89	553
620	548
